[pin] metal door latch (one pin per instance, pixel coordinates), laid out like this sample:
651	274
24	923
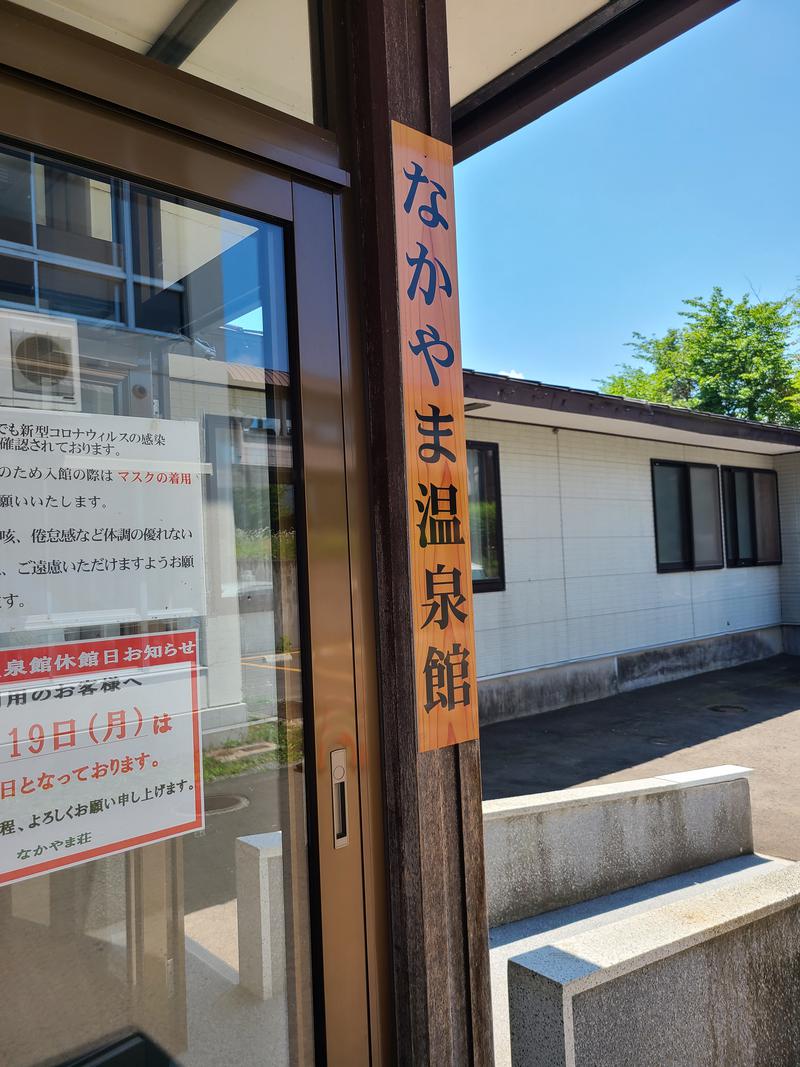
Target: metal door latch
341	832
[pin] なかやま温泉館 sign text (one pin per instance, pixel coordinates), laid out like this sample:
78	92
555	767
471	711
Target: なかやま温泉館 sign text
436	464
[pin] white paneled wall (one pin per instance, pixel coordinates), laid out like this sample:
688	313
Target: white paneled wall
581	577
788	468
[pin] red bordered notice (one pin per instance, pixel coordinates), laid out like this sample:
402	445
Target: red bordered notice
100	749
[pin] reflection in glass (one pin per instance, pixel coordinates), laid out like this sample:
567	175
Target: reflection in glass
671	515
768	533
744	515
81	293
75	213
706	529
484	512
17	281
15	198
144	338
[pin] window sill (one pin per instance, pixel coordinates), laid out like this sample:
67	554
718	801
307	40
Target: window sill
489	585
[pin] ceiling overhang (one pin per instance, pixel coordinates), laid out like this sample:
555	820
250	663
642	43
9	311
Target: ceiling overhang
537	56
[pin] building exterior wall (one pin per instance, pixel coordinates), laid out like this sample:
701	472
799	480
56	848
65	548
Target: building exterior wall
788	468
580	565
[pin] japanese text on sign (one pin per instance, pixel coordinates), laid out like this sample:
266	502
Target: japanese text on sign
447	701
110	498
99	749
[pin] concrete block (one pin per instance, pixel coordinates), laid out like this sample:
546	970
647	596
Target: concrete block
549	850
260	914
515	939
707	982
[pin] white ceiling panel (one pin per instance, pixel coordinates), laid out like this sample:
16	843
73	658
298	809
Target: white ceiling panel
134	25
486	38
260	48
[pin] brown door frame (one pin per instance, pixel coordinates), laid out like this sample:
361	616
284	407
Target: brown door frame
338	676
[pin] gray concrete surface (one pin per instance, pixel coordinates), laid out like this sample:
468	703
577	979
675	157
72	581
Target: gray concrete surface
654	666
260	914
706	982
524	693
748	715
550	850
527	935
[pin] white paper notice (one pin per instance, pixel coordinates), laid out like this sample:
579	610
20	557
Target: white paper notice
99	749
100	519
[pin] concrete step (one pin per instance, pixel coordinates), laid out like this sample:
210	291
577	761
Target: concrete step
554	927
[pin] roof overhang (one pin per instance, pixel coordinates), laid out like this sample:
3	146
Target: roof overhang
490	396
512	61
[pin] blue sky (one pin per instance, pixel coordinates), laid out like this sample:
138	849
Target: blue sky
677	174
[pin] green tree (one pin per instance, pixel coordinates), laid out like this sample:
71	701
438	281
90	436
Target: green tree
729	358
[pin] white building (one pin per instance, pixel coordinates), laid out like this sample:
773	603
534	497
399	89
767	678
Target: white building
628	544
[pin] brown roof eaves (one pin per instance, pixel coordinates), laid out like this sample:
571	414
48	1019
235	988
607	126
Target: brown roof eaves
498	388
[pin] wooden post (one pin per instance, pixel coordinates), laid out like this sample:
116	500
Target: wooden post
397	66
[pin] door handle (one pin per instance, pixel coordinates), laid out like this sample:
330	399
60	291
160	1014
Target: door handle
341	830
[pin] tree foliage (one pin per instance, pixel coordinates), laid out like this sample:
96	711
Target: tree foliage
728	358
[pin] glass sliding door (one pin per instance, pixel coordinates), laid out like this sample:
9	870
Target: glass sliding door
154	857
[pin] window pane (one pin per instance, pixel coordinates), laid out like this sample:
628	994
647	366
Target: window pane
729	510
74	213
80	293
16	223
150	642
99	399
744	515
704	485
670	508
16	280
484	513
768	537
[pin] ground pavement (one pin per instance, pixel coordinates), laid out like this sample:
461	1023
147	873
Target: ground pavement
747	715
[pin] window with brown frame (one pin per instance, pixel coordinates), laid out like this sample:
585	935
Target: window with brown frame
752	519
686	511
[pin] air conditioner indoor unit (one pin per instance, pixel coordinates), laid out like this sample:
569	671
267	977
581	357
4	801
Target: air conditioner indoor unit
39	361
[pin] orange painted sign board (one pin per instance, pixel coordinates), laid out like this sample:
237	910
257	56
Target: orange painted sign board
436	460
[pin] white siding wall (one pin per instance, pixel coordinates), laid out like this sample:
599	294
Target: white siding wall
788	468
581	577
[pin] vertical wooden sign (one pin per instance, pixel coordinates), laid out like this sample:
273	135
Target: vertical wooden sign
436	459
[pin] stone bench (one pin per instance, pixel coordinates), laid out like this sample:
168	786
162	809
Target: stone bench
584	862
550	850
709	981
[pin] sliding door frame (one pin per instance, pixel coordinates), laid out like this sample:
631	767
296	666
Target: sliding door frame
350	958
